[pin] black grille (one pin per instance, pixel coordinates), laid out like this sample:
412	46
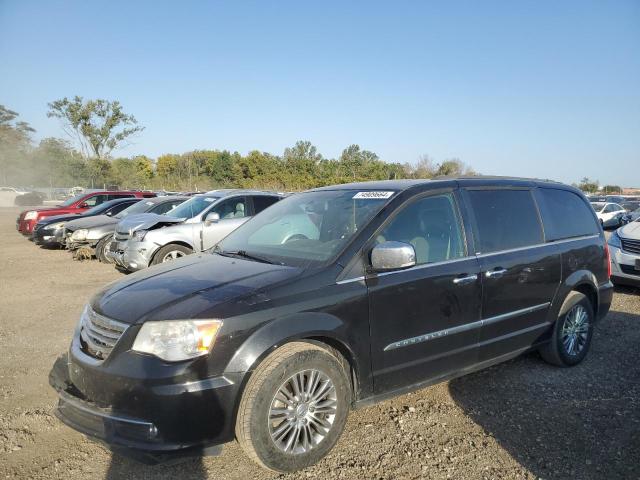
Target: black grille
632	246
99	334
629	269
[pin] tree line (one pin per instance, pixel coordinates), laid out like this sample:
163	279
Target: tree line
96	128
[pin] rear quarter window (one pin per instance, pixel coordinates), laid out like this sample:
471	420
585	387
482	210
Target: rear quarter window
505	219
565	214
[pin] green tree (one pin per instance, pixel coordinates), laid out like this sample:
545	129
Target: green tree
611	189
15	143
98	126
589	186
301	164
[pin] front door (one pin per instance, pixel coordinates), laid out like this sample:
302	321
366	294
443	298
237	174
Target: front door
425	320
233	212
520	272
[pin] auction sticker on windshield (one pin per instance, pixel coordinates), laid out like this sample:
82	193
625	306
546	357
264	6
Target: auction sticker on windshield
373	195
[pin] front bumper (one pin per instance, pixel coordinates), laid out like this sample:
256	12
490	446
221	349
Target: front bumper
45	236
141	411
132	256
25	227
623	267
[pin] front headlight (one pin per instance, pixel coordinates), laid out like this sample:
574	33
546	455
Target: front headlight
614	240
176	340
79	234
30	215
139	235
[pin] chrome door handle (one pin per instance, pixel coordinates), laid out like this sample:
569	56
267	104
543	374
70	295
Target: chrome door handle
465	280
495	273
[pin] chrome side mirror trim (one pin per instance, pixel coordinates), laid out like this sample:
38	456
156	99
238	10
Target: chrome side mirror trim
392	256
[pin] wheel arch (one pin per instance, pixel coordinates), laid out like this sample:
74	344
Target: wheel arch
585	282
313	327
175	242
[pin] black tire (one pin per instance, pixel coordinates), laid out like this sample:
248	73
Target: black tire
278	370
556	351
101	248
163	254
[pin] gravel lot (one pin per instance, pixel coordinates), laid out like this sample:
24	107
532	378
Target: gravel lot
521	419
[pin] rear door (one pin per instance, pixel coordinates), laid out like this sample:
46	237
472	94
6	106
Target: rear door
520	272
424	320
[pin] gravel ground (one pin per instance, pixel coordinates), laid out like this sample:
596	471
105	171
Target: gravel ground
521	419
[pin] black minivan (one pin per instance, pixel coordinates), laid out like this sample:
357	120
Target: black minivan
332	299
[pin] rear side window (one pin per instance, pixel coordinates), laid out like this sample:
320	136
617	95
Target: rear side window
565	214
261	202
505	219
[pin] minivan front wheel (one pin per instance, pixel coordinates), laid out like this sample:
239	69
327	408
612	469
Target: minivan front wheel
294	407
572	332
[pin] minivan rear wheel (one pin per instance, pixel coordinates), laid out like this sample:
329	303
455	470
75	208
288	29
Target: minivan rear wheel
572	332
294	407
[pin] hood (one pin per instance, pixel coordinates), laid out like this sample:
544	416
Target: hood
630	231
145	221
187	288
58	218
91	222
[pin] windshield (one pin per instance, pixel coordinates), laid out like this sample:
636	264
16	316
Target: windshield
306	228
138	207
597	206
192	207
70	201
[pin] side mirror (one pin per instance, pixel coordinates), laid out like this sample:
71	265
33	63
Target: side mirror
212	217
108	214
83	205
392	256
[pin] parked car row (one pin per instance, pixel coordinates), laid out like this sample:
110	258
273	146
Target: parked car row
135	232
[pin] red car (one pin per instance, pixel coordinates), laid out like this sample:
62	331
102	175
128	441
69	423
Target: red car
28	219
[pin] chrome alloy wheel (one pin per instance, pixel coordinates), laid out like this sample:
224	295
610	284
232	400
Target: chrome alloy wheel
575	330
302	411
172	255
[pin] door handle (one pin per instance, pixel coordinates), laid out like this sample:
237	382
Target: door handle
497	273
465	280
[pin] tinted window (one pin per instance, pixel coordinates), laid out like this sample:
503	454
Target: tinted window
262	202
431	225
232	208
505	219
565	214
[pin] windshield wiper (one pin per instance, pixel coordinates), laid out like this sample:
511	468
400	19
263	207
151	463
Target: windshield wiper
244	254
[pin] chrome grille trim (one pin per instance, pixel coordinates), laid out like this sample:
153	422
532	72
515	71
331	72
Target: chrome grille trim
99	334
631	246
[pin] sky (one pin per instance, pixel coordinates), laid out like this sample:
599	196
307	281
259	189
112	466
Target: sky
541	89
